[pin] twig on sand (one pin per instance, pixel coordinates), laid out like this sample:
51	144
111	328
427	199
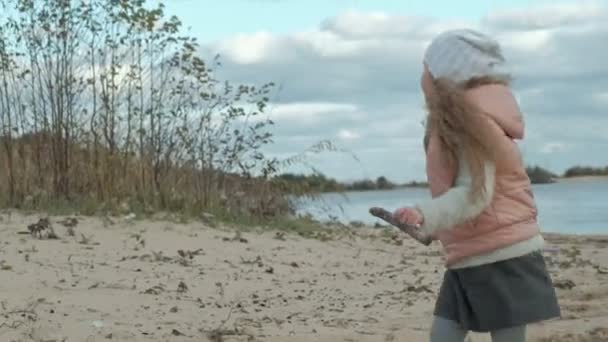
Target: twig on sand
414	232
217	334
25	315
227	317
43	225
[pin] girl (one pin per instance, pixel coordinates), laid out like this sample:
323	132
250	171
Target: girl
483	210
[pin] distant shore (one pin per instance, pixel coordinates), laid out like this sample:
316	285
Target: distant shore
423	185
323	184
581	178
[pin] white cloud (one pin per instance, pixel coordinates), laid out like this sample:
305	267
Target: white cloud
601	98
327	44
346	134
526	42
356	78
354	24
553	147
311	111
559	15
249	48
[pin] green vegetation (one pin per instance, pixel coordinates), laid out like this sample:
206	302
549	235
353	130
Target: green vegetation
304	183
320	183
107	107
415	184
580	171
367	184
538	175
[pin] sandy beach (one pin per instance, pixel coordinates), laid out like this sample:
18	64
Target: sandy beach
129	280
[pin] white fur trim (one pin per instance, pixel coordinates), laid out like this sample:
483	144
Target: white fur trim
455	207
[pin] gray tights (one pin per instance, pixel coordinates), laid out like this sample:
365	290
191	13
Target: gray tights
444	330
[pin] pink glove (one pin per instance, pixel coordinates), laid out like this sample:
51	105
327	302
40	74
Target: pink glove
409	216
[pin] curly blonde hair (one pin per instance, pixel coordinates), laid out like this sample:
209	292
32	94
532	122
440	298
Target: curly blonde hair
462	128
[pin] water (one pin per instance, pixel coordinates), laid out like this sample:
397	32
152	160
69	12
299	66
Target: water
572	207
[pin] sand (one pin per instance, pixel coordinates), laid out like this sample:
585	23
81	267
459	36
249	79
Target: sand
126	280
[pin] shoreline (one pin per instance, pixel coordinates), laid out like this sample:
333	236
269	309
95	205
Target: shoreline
582	178
153	280
423	185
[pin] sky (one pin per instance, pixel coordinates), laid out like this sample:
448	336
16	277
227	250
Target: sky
348	71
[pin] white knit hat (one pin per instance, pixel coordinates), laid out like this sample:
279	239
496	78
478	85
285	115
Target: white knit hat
460	55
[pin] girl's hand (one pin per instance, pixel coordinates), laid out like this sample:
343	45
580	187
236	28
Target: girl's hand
409	216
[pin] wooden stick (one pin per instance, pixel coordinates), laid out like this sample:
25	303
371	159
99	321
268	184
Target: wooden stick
412	231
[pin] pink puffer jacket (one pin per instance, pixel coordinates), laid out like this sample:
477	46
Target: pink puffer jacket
511	216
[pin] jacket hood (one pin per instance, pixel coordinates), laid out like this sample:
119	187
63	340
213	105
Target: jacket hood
497	101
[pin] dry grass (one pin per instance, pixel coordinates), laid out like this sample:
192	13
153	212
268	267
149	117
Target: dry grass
151	129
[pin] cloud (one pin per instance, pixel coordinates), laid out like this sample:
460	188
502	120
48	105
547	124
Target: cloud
554	16
601	99
553	147
356	25
346	134
355	79
249	49
314	112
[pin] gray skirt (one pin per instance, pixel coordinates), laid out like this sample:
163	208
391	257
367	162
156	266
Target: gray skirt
500	295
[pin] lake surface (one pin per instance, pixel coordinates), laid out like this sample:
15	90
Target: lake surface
574	206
